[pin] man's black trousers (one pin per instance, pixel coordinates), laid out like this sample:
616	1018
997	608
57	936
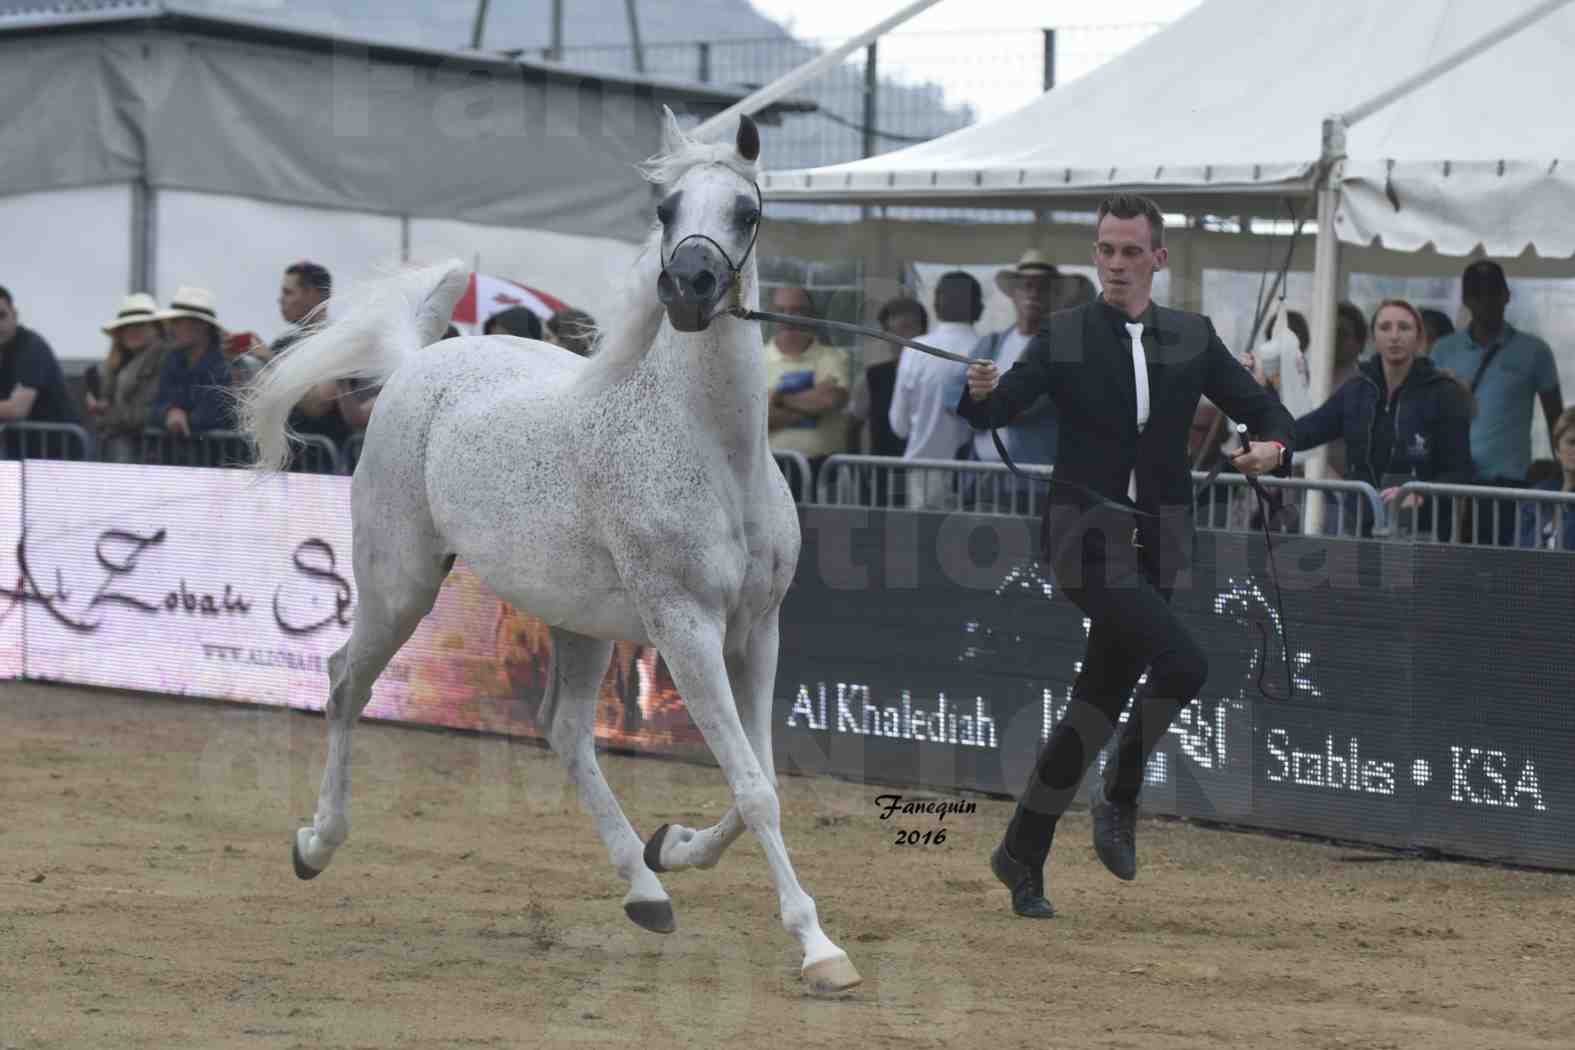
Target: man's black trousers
1132	629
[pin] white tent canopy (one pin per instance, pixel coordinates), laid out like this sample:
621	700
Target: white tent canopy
1223	112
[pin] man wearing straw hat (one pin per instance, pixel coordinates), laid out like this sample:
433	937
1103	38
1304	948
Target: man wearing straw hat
1031	286
193	386
130	379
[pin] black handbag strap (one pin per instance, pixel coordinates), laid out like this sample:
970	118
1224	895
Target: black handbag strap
1476	380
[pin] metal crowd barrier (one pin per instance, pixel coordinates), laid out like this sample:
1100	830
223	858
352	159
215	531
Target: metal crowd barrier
944	485
230	448
351	455
795	467
1230	503
1461	515
46	441
937	485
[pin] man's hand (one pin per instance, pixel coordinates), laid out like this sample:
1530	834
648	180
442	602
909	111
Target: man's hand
20	404
177	422
1260	458
982	377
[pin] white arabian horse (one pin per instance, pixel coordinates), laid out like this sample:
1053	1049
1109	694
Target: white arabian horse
631	495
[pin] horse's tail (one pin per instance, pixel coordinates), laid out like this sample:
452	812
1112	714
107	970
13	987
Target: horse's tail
379	326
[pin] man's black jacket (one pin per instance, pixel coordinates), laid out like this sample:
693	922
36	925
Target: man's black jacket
1082	359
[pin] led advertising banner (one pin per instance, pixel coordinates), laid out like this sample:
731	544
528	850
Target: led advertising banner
1432	684
218	583
11	664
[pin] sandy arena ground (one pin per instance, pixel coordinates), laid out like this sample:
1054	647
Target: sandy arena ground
147	900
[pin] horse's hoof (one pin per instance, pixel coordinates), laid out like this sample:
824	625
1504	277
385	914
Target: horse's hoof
831	976
656	916
653	850
303	871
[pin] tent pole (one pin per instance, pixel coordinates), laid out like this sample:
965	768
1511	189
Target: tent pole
1326	277
1443	65
808	71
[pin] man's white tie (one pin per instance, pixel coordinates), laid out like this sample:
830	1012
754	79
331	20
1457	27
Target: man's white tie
1140	378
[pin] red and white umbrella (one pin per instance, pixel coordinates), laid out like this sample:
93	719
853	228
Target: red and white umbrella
488	295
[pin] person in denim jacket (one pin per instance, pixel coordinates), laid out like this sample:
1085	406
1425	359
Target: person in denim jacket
1400	415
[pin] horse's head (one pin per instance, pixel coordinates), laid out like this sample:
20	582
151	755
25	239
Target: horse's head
710	215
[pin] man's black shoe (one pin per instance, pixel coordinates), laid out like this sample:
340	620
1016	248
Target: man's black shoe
1026	881
1115	833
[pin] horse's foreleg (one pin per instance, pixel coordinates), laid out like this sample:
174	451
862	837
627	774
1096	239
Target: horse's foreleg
692	643
390	608
578	664
751	672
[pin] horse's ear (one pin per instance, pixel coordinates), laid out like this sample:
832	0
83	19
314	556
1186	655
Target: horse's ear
672	135
748	139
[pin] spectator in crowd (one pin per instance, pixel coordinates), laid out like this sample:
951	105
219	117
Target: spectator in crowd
870	402
517	321
32	386
193	386
807	383
1075	289
922	408
574	330
1508	370
334	410
1031	285
130	378
1402	418
1438	326
247	355
1552	525
1350	337
1273	369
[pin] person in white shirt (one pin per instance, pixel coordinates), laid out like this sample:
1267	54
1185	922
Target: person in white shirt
923	408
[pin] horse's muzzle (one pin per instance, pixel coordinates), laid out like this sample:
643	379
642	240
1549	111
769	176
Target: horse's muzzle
694	281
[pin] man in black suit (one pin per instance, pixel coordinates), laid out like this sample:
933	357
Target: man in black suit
1125	376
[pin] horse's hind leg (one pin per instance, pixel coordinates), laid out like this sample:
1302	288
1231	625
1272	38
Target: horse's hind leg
398	572
574	682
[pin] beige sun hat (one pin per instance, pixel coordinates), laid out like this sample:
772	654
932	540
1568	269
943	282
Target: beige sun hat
192	302
136	308
1034	263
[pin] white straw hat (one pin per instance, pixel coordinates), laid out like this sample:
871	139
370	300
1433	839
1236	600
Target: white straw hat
136	308
192	302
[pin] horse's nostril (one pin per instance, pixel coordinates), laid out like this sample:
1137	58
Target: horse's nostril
704	283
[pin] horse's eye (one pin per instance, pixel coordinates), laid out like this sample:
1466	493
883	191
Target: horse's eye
664	213
749	218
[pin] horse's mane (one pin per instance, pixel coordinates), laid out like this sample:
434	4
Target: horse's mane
631	325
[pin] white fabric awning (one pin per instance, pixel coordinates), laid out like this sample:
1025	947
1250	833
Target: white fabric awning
1223	111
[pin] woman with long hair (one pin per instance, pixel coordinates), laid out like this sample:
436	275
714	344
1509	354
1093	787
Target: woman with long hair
130	378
